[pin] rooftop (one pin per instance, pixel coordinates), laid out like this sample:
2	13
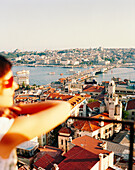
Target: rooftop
28	145
90	126
65	130
94	104
94	88
130	105
90	144
73	100
47	156
78	158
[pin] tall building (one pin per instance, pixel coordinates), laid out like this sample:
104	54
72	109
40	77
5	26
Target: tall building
113	105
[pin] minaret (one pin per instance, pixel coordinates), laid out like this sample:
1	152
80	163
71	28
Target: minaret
111	89
111	97
114	105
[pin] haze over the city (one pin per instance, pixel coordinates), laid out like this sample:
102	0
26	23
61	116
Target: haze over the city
61	24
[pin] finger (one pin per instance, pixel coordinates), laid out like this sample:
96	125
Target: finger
15	109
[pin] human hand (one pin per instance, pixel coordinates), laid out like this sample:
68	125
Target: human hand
11	112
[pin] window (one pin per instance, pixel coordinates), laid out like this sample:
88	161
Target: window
106	131
66	145
133	113
66	142
115	126
99	135
61	141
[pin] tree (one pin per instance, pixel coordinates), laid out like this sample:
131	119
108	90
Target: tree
92	100
34	85
23	85
124	114
27	87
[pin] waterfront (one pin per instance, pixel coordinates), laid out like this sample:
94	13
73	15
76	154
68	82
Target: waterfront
40	75
123	73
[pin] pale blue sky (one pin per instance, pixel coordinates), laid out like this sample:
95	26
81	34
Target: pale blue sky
61	24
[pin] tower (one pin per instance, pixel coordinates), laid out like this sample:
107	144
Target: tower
113	105
111	89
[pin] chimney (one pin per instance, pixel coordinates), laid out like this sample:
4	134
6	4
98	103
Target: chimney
56	167
104	145
101	161
102	122
70	139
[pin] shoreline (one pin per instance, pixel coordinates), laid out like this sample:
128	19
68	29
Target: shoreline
29	65
43	78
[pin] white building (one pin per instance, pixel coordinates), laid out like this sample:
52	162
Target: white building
22	76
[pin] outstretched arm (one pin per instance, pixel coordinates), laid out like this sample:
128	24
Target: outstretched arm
43	117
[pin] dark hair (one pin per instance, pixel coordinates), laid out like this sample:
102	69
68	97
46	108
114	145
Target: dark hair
5	65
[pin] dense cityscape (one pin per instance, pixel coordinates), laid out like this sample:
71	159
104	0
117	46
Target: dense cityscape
74	57
79	143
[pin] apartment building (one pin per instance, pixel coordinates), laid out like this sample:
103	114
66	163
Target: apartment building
75	100
79	128
88	153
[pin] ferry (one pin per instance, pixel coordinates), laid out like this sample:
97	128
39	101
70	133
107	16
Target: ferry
23	72
51	73
103	70
71	71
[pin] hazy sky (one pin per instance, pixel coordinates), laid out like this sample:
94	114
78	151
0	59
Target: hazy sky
61	24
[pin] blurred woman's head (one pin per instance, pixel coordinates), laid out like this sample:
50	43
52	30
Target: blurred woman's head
5	66
7	84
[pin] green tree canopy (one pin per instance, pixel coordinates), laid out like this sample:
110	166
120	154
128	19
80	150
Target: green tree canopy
124	114
23	85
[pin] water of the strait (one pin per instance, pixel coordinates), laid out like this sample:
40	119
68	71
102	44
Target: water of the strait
41	76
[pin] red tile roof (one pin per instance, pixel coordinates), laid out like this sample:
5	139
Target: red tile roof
94	104
78	158
84	95
90	126
45	162
24	167
73	100
87	95
58	96
90	144
50	150
107	82
65	130
47	156
62	80
94	88
130	105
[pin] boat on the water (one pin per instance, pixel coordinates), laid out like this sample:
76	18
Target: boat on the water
71	71
51	73
103	70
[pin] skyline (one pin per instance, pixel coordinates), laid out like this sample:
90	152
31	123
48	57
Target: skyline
59	24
